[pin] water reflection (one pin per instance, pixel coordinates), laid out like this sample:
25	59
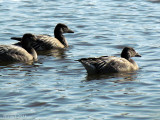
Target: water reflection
18	69
58	53
154	0
129	76
11	64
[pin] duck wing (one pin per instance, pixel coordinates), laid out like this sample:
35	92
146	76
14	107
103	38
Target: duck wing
106	64
45	42
93	65
14	53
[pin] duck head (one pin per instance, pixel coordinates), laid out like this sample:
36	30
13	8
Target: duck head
129	52
27	40
62	28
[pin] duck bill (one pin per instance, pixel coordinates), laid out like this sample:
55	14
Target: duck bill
137	55
70	31
16	38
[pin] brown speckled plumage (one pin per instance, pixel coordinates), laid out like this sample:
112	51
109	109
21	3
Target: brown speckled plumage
111	64
12	53
47	42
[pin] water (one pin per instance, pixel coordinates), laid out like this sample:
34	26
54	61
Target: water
57	87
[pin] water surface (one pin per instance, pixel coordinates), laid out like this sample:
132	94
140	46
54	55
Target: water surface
57	86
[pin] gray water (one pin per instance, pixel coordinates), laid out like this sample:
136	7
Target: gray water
57	87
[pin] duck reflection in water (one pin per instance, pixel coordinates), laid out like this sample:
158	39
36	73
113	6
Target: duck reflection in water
57	53
114	77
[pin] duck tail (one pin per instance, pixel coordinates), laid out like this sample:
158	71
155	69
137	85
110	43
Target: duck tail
89	67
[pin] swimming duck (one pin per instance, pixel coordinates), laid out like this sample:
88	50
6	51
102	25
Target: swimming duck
46	42
13	53
111	64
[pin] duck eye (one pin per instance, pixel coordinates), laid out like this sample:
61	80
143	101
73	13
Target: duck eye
64	29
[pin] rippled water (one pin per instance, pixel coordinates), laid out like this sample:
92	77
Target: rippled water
57	86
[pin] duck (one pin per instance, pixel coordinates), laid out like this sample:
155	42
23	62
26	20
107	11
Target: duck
111	64
47	42
13	53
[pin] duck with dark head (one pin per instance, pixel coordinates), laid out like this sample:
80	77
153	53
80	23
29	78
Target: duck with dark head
47	42
13	53
111	64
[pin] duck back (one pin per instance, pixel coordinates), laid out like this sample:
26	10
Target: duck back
107	64
14	53
45	42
